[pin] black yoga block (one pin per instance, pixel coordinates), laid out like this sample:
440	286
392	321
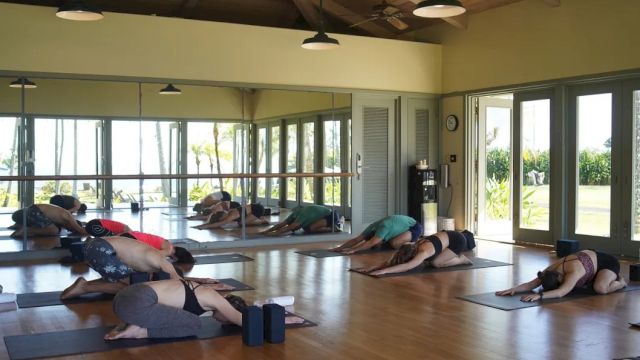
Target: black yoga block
273	323
252	326
77	251
138	277
160	275
634	272
65	242
566	247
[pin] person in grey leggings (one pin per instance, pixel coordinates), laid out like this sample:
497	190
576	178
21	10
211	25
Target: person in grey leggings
170	308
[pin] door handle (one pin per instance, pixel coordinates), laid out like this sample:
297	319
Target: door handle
358	166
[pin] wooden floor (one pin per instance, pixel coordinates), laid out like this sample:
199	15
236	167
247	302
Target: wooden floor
359	317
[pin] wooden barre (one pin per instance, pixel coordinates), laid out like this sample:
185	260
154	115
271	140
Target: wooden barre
174	176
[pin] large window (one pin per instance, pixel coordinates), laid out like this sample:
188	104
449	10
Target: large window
9	161
69	147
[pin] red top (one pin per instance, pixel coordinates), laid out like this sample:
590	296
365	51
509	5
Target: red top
113	226
149	239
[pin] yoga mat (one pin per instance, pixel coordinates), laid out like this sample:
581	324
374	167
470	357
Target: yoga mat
71	342
222	258
478	263
51	298
508	303
183	241
323	253
29	300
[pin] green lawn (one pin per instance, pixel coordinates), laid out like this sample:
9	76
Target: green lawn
593	212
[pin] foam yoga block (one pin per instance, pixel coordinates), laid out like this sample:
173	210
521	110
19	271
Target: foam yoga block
634	272
138	277
65	242
273	323
566	247
252	326
160	275
77	251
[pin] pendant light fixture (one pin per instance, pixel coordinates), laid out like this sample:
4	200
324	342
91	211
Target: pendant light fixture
439	8
170	90
23	83
79	10
320	41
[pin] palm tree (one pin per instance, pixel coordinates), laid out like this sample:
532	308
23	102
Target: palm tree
197	151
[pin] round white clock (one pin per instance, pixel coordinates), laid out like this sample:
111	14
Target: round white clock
451	122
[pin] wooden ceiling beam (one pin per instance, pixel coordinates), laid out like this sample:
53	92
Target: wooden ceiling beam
339	11
459	21
554	3
309	12
186	8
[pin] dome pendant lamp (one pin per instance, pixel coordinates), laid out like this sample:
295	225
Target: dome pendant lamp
439	8
320	41
170	90
79	10
23	83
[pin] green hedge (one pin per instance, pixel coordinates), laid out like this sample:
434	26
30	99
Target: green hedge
595	166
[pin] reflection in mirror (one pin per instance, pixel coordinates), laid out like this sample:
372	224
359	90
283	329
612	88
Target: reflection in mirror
89	127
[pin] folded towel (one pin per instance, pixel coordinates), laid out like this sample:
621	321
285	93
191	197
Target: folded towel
7	298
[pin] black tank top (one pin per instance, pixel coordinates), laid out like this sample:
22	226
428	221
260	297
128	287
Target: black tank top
191	303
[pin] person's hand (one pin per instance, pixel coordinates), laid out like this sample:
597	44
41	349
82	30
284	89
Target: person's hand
293	320
378	272
508	292
348	251
203	280
530	297
222	287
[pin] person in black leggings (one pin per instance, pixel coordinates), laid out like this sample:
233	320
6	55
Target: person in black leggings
442	249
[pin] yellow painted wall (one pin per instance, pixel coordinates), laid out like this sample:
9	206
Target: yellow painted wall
120	99
35	40
529	41
274	103
111	98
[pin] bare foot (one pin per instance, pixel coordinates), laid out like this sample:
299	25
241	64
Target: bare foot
465	260
624	283
129	332
76	289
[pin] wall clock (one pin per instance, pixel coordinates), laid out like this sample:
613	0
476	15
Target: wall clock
451	122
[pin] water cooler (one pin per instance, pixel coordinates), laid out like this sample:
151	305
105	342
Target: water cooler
423	198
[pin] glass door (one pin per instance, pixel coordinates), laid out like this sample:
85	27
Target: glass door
291	163
173	192
593	159
308	151
532	210
494	167
631	159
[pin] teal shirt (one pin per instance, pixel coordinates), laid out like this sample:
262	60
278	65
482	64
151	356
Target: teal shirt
390	227
294	214
311	213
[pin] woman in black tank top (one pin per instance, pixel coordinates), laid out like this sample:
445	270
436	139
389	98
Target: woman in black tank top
171	308
431	249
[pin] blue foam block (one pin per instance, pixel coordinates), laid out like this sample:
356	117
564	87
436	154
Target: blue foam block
273	323
252	326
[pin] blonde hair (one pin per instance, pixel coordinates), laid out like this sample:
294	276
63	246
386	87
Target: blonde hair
405	253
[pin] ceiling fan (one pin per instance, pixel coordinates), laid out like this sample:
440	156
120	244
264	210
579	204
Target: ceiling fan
387	12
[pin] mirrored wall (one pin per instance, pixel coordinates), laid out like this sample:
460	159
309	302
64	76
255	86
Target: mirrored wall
118	146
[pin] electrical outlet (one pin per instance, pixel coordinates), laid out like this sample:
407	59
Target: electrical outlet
452	158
